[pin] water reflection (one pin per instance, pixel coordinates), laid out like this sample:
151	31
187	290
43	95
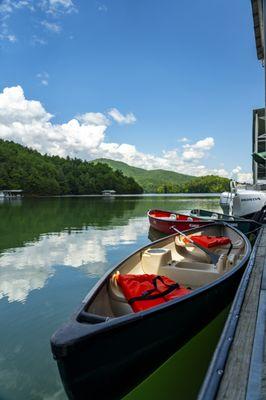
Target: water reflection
32	218
52	252
27	268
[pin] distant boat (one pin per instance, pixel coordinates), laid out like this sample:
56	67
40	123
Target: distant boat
108	192
117	337
164	221
11	193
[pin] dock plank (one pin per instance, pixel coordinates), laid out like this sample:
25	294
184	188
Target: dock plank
236	374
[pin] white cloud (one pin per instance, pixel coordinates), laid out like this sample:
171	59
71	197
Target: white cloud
14	108
63	3
183	140
8	6
35	40
197	150
238	175
27	122
5	33
51	26
43	78
59	6
93	118
120	118
49	9
8	37
102	7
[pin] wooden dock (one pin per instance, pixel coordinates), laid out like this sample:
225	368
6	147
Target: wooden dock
238	368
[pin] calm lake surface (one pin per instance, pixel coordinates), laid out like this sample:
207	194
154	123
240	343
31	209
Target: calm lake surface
52	251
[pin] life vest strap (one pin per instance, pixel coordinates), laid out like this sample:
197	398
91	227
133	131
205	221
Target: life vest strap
147	295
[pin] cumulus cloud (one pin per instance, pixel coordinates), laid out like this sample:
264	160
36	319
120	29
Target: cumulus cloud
14	108
94	118
183	140
120	118
198	150
28	123
238	175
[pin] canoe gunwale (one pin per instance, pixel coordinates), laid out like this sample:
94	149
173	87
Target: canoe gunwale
204	219
64	339
226	216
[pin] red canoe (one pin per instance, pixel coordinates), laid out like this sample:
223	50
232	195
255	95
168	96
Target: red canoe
163	221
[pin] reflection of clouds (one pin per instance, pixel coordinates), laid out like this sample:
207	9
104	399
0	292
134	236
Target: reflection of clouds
27	268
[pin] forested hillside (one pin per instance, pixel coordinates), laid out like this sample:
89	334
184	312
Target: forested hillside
207	184
24	168
161	181
152	181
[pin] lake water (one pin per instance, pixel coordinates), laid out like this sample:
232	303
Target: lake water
52	251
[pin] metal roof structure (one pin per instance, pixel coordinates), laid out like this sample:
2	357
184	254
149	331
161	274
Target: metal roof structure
257	10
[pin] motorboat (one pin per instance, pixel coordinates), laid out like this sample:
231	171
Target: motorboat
242	201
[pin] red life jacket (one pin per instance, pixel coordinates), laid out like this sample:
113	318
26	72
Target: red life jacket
146	291
209	241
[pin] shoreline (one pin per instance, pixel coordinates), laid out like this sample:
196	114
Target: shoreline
193	195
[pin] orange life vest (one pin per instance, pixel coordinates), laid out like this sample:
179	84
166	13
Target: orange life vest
209	241
146	291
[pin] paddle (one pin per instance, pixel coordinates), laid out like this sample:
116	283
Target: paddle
214	257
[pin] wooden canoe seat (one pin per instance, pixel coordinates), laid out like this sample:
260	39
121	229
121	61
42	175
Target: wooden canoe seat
191	273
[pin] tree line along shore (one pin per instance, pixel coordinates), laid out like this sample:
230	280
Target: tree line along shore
37	174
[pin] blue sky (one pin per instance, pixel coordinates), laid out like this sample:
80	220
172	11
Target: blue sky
154	83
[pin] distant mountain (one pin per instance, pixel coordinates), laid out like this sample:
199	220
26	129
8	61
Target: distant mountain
151	180
162	181
37	174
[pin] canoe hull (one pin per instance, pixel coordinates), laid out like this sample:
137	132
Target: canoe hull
107	359
113	363
165	226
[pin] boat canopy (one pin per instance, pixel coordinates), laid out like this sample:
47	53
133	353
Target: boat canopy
260	158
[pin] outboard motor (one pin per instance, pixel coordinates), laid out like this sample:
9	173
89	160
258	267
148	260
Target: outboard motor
227	199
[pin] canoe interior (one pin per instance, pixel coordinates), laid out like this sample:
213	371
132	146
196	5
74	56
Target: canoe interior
171	216
195	215
211	215
104	358
183	263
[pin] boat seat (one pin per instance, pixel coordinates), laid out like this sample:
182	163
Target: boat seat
191	274
115	291
191	264
118	302
188	250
